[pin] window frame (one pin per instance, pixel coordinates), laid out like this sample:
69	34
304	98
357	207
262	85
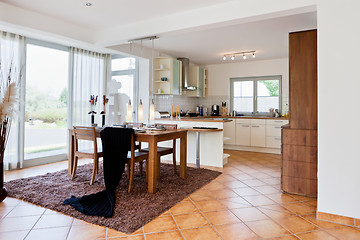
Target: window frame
255	94
135	72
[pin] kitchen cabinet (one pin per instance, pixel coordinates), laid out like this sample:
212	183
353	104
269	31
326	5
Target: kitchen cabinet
167	76
273	133
299	138
257	130
198	78
243	133
229	132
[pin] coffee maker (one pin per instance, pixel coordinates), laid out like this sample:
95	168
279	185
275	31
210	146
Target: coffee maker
215	110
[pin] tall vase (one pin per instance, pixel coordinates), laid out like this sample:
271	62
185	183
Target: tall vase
3	192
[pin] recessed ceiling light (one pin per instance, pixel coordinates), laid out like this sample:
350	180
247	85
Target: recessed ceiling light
88	4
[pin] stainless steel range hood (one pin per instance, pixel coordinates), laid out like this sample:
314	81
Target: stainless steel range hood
186	74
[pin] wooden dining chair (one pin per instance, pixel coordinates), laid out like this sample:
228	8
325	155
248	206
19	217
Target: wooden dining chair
132	158
162	151
138	145
86	134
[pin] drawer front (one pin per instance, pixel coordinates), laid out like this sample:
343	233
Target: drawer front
273	142
273	131
258	121
242	121
276	122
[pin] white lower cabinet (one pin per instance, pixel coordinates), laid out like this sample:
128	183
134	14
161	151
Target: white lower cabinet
243	134
229	133
257	135
256	132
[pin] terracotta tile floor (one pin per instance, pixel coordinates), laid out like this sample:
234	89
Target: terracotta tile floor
245	202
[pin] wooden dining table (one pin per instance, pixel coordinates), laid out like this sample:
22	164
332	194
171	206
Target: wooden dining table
152	138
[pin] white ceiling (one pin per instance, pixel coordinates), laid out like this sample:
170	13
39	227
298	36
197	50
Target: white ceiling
114	20
105	14
269	38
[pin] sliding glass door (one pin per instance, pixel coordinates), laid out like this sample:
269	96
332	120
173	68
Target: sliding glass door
47	74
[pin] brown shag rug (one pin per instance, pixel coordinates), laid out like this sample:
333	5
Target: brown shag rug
132	211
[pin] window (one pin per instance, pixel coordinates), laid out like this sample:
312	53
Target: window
255	94
124	84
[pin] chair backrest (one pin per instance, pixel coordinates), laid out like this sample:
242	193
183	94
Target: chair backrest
167	126
133	124
84	133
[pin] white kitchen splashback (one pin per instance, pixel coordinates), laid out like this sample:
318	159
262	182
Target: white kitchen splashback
164	102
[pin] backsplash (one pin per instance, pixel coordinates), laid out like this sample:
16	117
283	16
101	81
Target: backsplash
185	103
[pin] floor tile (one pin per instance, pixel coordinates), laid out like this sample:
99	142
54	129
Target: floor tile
205	233
224	193
221	217
316	235
281	198
83	232
345	233
214	186
300	208
237	202
296	224
27	210
173	235
54	220
267	228
234	184
136	237
58	233
238	231
201	196
287	237
160	224
267	190
190	221
320	223
259	200
183	208
10	202
246	191
210	205
249	214
15	235
18	223
253	183
5	210
111	233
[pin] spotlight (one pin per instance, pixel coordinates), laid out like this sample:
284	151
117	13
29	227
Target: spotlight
224	58
244	57
88	4
232	57
253	55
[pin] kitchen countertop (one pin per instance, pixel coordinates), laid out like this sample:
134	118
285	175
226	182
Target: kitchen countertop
220	118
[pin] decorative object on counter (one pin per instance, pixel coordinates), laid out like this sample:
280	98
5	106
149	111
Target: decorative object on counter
164	79
105	101
271	112
286	114
238	53
224	109
277	114
129	112
92	101
201	110
171	113
177	112
140	112
152	110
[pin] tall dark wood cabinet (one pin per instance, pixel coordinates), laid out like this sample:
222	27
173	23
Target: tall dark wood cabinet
299	137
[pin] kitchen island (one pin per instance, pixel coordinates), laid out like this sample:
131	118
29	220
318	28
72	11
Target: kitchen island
211	142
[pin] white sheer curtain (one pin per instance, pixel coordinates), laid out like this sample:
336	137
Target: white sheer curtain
89	75
12	52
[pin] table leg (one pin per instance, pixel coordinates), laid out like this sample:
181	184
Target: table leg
152	162
183	147
71	153
197	149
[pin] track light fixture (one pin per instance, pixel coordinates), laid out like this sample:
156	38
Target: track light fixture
238	53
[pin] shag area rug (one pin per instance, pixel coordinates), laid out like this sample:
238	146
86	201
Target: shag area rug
132	211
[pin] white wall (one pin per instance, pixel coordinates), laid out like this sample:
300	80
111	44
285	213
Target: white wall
339	111
219	75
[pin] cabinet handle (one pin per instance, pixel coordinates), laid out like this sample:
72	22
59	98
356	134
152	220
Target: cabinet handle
280	121
256	126
277	127
277	139
245	125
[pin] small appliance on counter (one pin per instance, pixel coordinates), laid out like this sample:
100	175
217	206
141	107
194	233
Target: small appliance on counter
215	110
162	114
224	109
